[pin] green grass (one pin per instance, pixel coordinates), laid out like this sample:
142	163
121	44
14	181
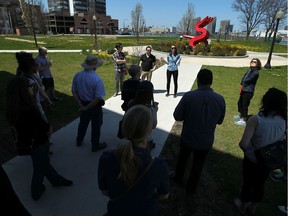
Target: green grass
86	42
224	162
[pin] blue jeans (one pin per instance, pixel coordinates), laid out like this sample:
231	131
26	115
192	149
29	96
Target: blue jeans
42	168
94	114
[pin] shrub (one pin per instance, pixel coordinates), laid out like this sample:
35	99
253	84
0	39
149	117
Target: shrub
240	52
217	50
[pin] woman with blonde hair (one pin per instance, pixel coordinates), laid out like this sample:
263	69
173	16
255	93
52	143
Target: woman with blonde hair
128	175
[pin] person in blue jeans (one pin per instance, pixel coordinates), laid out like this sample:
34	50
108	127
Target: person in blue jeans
32	131
133	181
173	61
88	91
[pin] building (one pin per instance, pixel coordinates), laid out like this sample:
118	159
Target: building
225	27
211	27
194	22
11	21
76	16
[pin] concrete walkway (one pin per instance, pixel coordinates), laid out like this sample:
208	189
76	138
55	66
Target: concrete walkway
80	164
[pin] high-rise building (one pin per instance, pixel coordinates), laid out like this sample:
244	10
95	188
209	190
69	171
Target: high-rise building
77	6
224	26
211	27
194	22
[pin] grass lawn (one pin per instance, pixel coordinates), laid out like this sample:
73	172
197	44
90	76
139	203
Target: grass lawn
221	179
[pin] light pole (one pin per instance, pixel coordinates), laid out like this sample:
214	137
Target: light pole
95	29
279	15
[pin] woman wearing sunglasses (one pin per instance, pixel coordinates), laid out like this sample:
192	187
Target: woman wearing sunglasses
247	89
173	61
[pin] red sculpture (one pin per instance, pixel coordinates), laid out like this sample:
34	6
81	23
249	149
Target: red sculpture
194	40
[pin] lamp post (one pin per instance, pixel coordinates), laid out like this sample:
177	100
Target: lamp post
279	15
95	29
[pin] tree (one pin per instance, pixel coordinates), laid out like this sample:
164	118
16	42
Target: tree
185	25
252	13
270	14
32	14
137	20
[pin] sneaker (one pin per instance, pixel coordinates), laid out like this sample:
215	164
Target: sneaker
240	122
99	147
236	116
175	95
283	209
115	94
167	95
278	177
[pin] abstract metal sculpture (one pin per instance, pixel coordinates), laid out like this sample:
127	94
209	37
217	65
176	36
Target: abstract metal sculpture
194	40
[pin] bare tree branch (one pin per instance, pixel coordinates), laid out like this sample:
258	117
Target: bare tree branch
185	25
251	13
137	20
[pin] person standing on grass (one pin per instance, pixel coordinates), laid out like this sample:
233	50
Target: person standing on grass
200	110
44	65
268	126
119	67
33	132
147	64
247	89
44	99
133	181
88	91
173	61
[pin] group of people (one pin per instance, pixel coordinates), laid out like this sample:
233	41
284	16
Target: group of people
148	65
128	175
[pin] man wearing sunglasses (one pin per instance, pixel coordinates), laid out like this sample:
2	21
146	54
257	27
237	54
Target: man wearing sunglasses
147	64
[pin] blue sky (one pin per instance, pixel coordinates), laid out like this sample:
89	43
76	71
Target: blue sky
168	13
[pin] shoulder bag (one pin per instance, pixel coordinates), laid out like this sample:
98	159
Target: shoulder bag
272	156
135	182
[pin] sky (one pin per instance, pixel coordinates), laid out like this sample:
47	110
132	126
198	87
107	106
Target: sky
168	13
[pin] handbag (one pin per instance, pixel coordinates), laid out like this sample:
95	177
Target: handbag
126	70
272	156
119	133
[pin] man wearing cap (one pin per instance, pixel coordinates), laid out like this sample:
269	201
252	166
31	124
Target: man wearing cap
43	66
88	90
